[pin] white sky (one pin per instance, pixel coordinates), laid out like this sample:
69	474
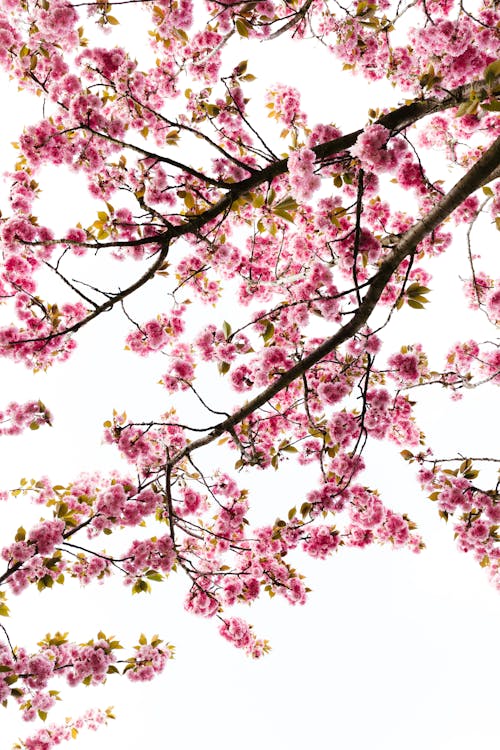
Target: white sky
392	651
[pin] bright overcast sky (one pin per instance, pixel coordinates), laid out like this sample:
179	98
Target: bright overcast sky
392	651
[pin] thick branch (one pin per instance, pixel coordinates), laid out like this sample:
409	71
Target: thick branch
397	120
407	245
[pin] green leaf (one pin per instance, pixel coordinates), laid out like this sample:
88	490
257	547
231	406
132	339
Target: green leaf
268	331
407	455
416	305
189	200
415	290
492	71
283	214
289	203
141	586
485	562
242	27
153	575
492	106
20	534
471	474
467	108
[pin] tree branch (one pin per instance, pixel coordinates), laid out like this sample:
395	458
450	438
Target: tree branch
396	120
406	246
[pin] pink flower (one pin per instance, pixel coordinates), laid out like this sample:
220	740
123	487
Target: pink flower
47	535
284	103
201	603
331	393
479	531
373	151
303	181
322	541
493	304
405	367
238	632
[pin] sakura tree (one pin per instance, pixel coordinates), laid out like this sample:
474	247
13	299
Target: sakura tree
316	238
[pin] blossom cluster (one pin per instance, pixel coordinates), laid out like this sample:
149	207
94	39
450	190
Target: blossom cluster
156	334
94	503
470	362
239	633
483	291
475	512
26	677
16	417
374	151
54	734
303	181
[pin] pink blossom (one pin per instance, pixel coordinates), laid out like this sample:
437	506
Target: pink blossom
201	603
373	150
284	104
47	535
303	181
322	541
405	367
331	393
493	304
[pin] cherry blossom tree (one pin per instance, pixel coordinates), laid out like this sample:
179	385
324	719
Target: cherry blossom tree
296	230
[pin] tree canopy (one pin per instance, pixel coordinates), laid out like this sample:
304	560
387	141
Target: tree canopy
284	250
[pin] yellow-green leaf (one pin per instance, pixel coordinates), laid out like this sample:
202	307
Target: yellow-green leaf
241	27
